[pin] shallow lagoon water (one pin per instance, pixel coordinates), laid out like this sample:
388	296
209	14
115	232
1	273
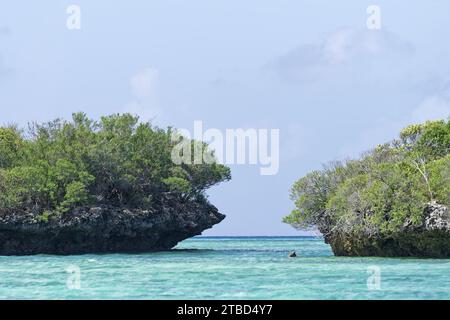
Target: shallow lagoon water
225	268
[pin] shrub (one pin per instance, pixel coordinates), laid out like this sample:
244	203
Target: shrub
387	188
117	160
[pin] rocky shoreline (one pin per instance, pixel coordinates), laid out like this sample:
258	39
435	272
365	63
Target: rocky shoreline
429	240
105	229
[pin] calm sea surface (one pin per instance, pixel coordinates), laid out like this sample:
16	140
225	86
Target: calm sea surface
225	268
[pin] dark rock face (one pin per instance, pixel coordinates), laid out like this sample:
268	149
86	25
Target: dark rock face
429	240
105	229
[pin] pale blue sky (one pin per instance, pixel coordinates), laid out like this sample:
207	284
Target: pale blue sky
309	68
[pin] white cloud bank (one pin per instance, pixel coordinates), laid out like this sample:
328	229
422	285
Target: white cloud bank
343	49
434	107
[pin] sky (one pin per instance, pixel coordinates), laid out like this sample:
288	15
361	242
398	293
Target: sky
311	69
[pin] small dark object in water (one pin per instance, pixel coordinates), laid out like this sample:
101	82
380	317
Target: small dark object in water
293	254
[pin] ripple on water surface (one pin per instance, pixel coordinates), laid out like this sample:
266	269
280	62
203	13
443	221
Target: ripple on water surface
225	268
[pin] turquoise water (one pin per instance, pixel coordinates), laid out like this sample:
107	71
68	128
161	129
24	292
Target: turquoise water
225	268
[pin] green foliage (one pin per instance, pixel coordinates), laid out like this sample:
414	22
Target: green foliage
310	196
10	145
117	160
381	192
440	179
177	184
76	194
45	216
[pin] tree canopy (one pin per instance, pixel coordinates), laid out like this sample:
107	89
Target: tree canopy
56	166
383	191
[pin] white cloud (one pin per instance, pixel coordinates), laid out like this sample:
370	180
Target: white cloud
343	48
433	108
347	44
144	88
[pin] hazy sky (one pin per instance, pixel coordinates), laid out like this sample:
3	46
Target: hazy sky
310	68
